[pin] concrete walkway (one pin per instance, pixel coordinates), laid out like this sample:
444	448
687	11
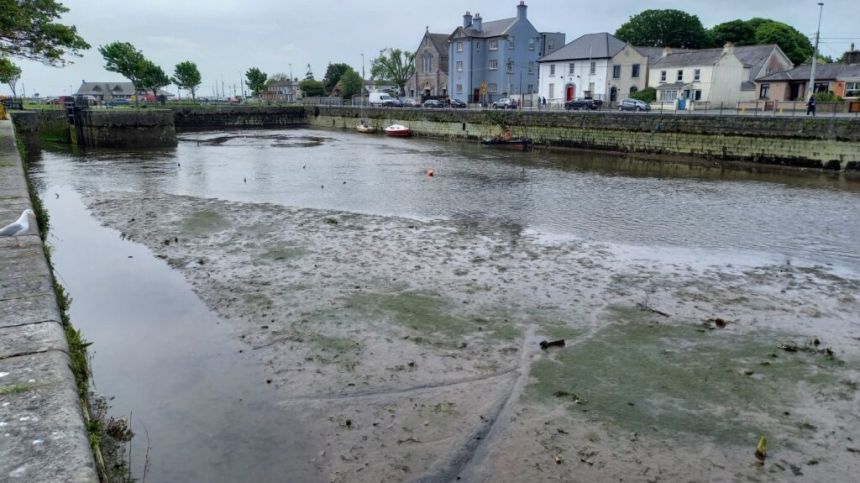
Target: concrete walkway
42	434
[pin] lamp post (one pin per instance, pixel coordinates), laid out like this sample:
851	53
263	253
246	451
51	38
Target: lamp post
811	88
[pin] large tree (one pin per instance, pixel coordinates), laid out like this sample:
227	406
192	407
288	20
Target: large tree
754	31
152	77
9	74
312	88
394	65
256	81
350	83
124	59
28	29
333	74
276	78
738	32
664	28
187	76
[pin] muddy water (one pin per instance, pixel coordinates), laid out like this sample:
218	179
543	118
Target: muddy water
209	413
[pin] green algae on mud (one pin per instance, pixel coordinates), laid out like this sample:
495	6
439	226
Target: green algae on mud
281	251
335	350
721	385
203	222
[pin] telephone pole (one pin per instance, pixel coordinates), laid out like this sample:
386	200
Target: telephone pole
811	88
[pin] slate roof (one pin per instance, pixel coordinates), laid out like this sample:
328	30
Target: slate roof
589	46
656	53
749	55
822	72
440	41
495	28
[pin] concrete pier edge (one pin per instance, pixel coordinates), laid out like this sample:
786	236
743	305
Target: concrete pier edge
43	434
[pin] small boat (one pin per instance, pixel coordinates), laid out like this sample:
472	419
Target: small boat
518	144
365	127
398	131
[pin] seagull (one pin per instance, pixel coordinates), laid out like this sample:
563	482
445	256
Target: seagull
21	226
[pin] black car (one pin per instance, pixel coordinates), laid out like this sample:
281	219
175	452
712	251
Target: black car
392	102
583	104
433	103
458	104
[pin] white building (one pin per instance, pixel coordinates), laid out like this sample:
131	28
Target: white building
580	69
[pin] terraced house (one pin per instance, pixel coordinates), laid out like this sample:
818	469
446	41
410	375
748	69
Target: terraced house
489	60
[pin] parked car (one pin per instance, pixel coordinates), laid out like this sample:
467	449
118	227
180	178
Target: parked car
505	103
378	98
633	105
583	104
433	103
458	104
118	101
392	102
409	102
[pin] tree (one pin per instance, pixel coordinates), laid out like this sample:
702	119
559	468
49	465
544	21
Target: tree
256	81
333	74
124	59
28	30
277	78
796	46
739	32
152	78
312	88
394	64
9	74
648	94
350	83
309	75
186	76
664	28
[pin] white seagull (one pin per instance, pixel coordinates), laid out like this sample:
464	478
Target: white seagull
20	227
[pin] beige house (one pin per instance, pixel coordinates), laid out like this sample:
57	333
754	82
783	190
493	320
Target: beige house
628	70
724	75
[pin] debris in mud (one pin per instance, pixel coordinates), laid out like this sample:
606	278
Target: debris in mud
716	322
853	450
119	430
558	459
761	449
647	308
331	221
555	343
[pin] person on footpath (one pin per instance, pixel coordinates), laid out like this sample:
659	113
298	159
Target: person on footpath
810	106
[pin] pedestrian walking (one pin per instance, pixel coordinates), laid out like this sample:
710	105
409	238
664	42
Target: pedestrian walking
810	106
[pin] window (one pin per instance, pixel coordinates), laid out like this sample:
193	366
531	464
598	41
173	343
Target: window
510	65
549	45
616	71
552	69
491	88
427	63
510	42
459	66
633	90
552	91
668	95
764	91
493	65
593	68
477	46
662	76
531	89
494	44
697	95
570	67
531	43
459	46
459	88
531	67
697	74
852	89
680	75
635	71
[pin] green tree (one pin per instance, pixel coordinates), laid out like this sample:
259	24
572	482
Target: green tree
28	29
739	32
664	28
312	88
648	94
395	65
309	75
796	46
124	59
276	78
187	76
9	74
333	74
350	83
152	77
256	81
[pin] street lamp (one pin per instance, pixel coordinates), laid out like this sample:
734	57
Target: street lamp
811	88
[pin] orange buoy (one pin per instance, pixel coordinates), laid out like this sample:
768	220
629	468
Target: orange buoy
429	172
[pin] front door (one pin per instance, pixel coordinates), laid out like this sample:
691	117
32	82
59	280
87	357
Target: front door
571	91
476	95
613	94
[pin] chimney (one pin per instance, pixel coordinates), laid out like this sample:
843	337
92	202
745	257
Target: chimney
467	20
666	51
477	22
521	10
852	56
729	48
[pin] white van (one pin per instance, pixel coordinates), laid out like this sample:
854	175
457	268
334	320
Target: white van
379	98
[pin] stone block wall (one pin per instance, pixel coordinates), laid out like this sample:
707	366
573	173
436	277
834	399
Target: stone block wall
202	118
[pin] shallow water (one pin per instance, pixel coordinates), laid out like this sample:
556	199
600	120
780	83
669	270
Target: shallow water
167	358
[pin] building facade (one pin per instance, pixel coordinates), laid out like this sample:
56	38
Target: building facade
842	80
105	91
581	69
431	67
282	91
489	60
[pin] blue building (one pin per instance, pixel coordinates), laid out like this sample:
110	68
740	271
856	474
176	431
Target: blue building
500	56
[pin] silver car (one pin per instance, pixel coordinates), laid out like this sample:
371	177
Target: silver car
633	105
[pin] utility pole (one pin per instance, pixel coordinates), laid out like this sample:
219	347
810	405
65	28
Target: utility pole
362	80
811	88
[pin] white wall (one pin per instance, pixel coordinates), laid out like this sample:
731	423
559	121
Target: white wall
580	78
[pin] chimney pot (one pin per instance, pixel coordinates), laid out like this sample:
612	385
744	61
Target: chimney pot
521	10
467	20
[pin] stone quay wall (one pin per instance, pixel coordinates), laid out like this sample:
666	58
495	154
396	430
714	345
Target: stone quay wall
204	118
823	142
143	128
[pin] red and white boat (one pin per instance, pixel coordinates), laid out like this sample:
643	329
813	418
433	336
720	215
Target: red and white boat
398	131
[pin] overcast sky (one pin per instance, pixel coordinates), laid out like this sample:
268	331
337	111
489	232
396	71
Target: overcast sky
226	37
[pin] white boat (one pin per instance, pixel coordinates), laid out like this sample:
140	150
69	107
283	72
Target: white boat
398	131
365	127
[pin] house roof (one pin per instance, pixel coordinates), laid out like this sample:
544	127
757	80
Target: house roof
440	41
495	28
656	53
589	46
115	89
822	72
749	55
